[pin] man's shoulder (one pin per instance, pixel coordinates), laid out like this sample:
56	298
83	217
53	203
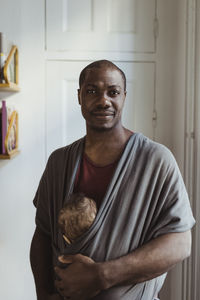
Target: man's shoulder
62	153
154	150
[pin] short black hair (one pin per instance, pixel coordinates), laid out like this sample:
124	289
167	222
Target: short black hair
99	64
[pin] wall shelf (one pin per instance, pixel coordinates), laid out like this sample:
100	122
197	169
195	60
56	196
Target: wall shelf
8	86
8	89
10	155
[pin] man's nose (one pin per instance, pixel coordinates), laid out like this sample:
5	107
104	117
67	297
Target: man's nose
103	101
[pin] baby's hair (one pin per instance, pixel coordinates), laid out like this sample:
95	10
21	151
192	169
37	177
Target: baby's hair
77	216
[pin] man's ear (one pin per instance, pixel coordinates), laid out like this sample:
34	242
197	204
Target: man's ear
125	93
79	101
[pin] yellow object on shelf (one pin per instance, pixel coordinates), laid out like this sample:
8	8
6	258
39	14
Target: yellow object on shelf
10	74
11	139
12	55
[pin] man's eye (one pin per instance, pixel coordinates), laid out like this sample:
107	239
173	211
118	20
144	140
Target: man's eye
114	93
91	91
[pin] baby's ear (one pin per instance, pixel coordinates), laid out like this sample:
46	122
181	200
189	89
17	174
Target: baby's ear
93	215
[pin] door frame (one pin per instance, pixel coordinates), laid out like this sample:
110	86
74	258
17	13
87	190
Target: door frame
191	272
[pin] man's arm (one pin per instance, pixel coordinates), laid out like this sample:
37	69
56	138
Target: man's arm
148	261
86	277
42	267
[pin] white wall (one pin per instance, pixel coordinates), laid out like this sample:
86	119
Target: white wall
23	22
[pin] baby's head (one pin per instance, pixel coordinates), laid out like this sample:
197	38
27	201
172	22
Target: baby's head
76	216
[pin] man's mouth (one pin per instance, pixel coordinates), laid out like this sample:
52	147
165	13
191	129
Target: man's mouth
103	113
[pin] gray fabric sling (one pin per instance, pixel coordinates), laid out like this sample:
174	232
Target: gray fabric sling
146	198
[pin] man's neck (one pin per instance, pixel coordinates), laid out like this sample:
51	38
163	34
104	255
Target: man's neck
105	147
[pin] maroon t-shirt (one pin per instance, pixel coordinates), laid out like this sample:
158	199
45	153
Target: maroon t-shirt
93	180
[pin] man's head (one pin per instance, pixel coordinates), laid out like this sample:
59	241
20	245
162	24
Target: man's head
101	95
98	64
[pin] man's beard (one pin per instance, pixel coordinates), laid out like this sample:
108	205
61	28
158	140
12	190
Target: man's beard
103	129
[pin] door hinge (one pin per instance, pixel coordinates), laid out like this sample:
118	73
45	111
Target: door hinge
154	118
190	135
156	27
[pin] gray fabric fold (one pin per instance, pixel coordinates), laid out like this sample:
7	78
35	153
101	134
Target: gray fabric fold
146	198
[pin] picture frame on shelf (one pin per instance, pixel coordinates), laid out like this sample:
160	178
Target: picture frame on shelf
9	59
9	132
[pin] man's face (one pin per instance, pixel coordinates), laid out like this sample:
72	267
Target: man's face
101	97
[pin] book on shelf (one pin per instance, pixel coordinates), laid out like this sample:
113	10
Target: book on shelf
4	126
2	55
9	129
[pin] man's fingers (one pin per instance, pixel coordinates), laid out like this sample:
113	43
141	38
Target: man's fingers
68	259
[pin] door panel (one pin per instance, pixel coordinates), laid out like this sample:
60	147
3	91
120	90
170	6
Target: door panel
64	122
106	25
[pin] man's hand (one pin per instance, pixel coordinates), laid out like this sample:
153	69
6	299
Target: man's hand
80	280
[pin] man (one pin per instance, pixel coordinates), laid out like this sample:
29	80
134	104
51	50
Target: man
143	223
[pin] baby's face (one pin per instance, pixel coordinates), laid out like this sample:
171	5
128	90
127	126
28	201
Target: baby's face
66	239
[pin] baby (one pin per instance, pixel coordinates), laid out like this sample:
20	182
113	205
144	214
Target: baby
76	217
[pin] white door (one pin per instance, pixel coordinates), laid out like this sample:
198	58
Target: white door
101	25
